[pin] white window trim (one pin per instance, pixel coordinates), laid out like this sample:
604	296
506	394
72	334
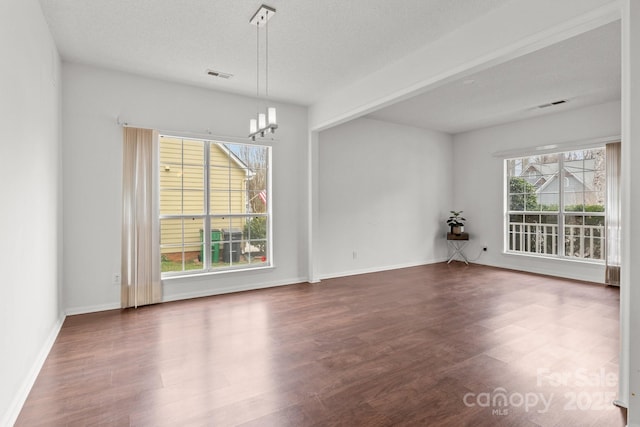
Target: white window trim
177	275
549	149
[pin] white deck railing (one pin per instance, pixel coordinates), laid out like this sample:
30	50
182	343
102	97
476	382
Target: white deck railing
580	241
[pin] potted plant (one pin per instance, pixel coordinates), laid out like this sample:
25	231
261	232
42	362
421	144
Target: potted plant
456	222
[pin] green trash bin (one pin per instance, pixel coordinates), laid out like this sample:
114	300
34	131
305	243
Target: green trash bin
215	245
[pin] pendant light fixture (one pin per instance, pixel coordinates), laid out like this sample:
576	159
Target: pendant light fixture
265	121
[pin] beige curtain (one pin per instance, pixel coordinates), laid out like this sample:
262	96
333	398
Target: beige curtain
140	236
613	209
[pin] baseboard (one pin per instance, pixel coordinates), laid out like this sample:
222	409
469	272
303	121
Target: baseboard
188	295
231	289
91	309
379	269
543	271
11	416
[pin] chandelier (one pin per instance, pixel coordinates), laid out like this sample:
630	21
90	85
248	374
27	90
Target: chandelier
265	121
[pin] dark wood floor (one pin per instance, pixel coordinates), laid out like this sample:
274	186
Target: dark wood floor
438	345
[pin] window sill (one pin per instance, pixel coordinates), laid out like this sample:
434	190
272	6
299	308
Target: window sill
555	258
202	274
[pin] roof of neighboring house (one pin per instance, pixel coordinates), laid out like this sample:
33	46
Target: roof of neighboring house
545	170
248	172
549	172
567	175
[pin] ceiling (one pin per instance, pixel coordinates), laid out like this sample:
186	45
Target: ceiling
584	70
317	47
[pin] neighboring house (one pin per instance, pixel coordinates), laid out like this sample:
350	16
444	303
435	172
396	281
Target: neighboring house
537	174
578	179
182	192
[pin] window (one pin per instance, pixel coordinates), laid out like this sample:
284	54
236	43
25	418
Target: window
561	213
214	206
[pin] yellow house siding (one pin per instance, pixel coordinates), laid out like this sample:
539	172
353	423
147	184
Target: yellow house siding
182	191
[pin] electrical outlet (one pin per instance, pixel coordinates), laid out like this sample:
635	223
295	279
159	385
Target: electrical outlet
116	278
355	255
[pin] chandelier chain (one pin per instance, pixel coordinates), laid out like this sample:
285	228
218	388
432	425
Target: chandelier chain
264	121
258	60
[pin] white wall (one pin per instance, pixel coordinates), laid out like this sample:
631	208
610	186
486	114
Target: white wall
479	180
92	153
384	192
30	216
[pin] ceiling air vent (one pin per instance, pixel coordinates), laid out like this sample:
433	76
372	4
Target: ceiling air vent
219	74
551	104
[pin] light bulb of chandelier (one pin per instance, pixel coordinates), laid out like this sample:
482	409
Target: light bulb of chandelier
262	121
271	114
253	126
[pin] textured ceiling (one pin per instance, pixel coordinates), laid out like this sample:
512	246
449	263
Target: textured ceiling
316	46
584	70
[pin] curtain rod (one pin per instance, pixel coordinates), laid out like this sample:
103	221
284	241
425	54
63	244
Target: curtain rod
206	135
556	147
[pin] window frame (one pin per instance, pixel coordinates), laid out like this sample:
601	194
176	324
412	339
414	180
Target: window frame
206	217
561	214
